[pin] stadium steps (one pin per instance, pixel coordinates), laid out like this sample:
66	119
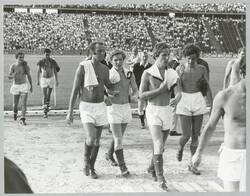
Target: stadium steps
232	36
226	40
212	38
240	34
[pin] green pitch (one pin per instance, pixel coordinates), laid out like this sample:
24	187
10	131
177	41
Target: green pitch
68	66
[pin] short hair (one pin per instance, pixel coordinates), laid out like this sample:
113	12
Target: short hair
92	46
46	50
158	48
117	52
190	49
18	54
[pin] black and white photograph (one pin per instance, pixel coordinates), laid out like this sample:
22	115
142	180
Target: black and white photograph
124	97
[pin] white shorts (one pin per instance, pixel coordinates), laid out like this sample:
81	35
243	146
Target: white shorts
17	89
95	113
191	104
47	82
231	164
159	115
119	113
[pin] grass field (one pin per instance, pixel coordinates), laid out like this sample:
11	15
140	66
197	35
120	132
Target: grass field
68	66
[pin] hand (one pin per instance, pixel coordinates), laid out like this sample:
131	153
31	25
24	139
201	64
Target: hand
172	102
113	93
196	159
31	89
69	118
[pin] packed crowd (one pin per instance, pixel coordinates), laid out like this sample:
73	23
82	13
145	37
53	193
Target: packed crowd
184	7
71	32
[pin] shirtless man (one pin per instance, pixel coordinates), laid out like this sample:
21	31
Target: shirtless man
90	83
232	75
18	72
47	78
231	104
192	105
119	113
138	70
155	88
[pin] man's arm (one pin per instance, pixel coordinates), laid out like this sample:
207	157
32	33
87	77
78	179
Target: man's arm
11	72
177	91
217	112
227	74
38	75
56	76
134	86
79	77
29	78
144	92
209	91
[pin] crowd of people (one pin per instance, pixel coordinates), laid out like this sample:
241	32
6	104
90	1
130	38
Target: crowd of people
71	32
183	7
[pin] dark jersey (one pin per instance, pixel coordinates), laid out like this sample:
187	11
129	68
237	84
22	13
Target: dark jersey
138	71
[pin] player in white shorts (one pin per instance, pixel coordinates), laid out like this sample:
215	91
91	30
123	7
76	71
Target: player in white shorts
155	87
230	104
192	106
47	78
119	113
90	78
18	72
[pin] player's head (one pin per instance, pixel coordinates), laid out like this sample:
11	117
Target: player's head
161	52
47	52
97	50
191	52
19	56
117	58
144	56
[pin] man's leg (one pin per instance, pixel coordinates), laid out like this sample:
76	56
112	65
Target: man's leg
186	122
94	151
141	113
49	90
15	105
24	97
109	155
45	102
118	130
157	137
89	143
231	186
196	128
173	130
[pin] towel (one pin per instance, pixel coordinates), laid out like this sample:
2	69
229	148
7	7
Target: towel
114	75
154	71
171	77
90	79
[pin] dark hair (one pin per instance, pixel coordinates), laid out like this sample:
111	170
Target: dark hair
191	49
158	48
92	46
117	52
46	50
18	53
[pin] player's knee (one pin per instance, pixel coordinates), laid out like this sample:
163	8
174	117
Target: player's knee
90	141
158	147
118	143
